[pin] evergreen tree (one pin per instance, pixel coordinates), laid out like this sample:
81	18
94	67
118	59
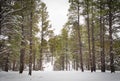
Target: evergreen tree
44	29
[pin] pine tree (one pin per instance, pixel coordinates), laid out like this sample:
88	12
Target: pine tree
22	50
75	8
110	36
93	40
101	7
44	29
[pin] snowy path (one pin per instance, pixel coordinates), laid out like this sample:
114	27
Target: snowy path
59	76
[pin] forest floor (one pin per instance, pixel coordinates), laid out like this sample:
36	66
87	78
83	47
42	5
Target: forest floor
59	76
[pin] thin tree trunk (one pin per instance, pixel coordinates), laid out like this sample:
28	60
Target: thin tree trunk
93	43
41	45
74	64
6	62
52	57
30	53
0	18
34	58
102	40
13	67
63	63
1	25
89	44
66	62
41	56
22	50
77	62
111	38
79	38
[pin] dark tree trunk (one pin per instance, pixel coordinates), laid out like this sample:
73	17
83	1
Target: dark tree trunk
22	50
7	62
79	38
0	24
34	58
13	67
0	17
93	43
30	54
74	63
77	62
102	39
66	62
62	62
110	37
88	32
41	57
41	45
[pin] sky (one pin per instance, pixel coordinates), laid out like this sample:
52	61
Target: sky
57	10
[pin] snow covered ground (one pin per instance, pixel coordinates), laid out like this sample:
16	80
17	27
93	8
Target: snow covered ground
48	67
59	76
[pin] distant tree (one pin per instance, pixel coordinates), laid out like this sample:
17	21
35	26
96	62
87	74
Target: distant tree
64	36
75	16
87	9
44	29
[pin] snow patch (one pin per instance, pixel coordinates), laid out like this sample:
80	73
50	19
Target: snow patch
2	37
59	76
48	66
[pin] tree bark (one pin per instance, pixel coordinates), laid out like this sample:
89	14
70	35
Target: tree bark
6	62
41	44
93	43
62	62
77	62
89	44
22	50
0	18
102	39
30	54
34	58
13	67
112	68
79	38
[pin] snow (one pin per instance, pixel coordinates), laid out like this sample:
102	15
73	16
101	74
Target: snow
48	67
59	76
2	37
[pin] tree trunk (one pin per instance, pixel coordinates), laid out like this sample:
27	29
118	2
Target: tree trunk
22	50
34	58
102	39
0	18
41	45
0	24
63	62
89	44
66	54
79	38
93	43
66	62
13	67
77	62
30	54
6	62
111	38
